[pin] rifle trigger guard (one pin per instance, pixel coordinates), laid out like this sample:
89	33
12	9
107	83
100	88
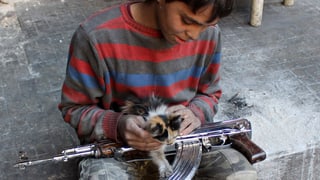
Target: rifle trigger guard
206	143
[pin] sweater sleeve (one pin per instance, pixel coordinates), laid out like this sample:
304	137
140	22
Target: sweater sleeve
83	90
205	104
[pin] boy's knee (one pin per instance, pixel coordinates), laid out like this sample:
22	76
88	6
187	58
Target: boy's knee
101	169
241	168
226	164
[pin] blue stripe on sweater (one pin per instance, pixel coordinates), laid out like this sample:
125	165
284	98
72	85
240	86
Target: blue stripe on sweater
139	80
216	58
86	80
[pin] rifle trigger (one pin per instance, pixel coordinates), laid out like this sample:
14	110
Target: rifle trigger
223	138
206	143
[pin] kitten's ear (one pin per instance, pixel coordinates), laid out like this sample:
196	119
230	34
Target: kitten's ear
129	103
127	106
175	122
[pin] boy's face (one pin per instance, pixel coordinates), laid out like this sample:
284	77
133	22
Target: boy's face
178	23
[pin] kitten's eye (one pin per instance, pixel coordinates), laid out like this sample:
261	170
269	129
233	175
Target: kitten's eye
175	123
140	111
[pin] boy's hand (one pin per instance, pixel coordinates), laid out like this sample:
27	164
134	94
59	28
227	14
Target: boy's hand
189	120
130	129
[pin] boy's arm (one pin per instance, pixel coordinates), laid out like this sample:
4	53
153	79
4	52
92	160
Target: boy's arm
205	103
82	92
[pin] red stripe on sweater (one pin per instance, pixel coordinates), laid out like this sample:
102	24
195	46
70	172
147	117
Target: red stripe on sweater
67	116
93	120
96	115
81	119
217	96
162	91
118	23
146	54
106	105
207	100
115	23
76	96
82	66
177	87
213	68
198	112
85	68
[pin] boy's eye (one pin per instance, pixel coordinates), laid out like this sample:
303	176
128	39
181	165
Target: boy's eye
187	21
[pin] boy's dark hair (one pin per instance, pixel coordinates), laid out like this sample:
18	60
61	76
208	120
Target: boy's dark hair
222	8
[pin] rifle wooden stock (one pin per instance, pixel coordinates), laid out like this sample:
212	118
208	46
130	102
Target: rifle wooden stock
249	149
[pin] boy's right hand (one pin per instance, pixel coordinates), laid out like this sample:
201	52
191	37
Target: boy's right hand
131	130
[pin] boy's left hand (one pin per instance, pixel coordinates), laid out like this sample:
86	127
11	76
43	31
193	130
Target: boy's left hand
189	120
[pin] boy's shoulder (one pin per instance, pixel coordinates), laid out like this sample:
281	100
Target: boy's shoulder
101	18
212	32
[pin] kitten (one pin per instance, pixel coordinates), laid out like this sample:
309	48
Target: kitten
161	125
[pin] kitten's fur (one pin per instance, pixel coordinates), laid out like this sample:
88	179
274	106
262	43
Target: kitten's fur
161	125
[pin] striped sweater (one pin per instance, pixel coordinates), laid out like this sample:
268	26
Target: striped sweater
112	57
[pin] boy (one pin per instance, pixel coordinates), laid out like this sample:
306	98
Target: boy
170	48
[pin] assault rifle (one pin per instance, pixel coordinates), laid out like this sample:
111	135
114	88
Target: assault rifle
187	149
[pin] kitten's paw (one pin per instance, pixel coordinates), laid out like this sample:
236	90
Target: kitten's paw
166	172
